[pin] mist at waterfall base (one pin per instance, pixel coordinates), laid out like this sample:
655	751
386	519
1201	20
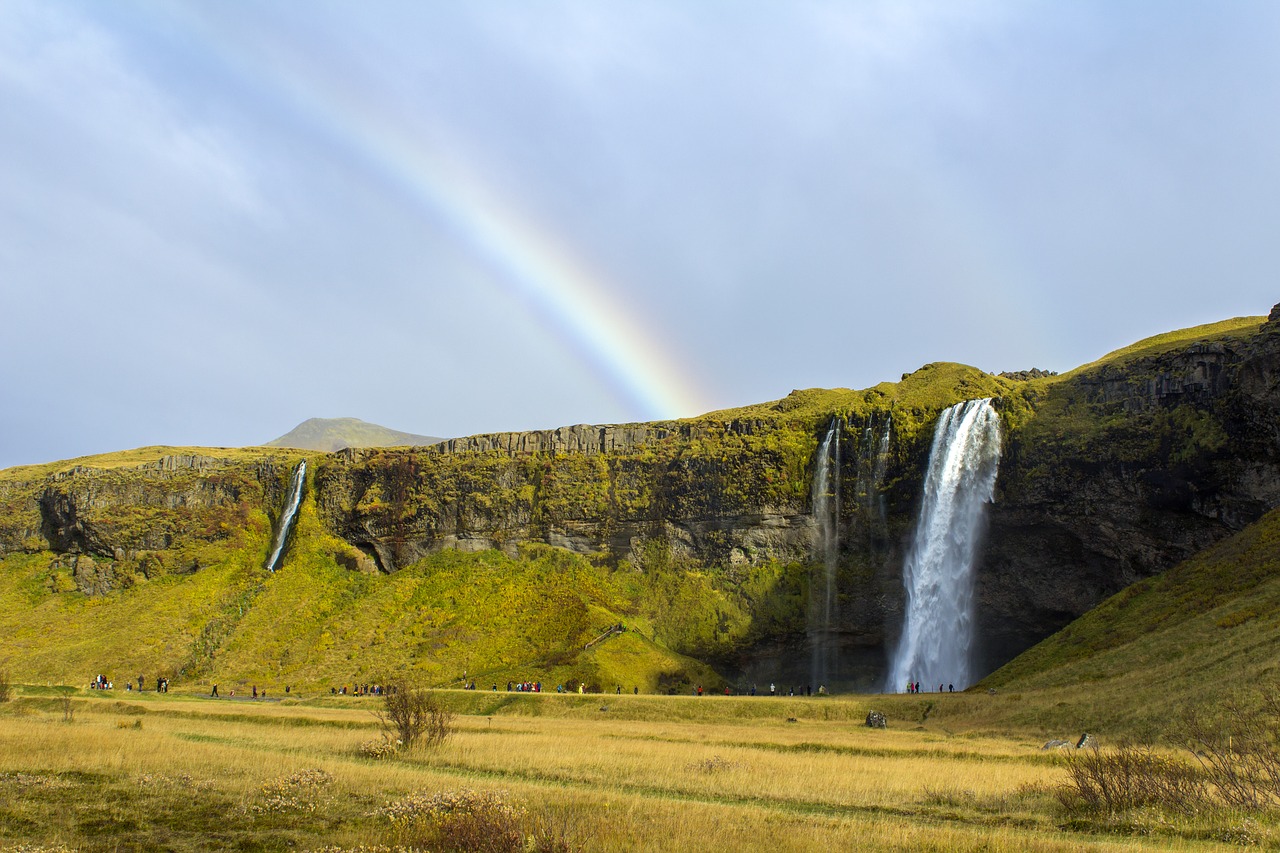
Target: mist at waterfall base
292	501
938	572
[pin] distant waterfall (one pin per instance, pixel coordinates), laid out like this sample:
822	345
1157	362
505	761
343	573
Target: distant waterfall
825	498
872	467
292	501
938	571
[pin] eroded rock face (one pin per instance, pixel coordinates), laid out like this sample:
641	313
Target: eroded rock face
1120	473
1170	454
117	526
592	490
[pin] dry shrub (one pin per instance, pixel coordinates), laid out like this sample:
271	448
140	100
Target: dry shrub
1239	750
413	715
1130	776
379	747
462	821
298	793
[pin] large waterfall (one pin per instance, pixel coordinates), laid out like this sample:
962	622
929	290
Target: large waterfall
938	571
825	498
291	504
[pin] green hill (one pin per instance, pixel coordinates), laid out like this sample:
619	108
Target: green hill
1195	635
330	434
502	556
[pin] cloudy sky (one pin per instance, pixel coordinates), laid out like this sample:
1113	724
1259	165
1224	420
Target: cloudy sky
218	219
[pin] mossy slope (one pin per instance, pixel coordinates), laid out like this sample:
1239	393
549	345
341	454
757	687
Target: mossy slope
1201	632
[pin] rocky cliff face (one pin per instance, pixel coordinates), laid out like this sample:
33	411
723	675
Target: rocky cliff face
1108	476
1124	471
593	490
113	525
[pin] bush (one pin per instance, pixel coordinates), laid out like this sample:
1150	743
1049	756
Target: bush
463	821
1239	750
413	715
1130	776
380	747
300	792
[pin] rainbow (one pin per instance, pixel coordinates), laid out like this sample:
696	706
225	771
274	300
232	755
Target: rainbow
534	266
574	304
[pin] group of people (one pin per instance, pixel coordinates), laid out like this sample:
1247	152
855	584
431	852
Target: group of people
914	687
807	690
523	687
101	682
256	694
358	690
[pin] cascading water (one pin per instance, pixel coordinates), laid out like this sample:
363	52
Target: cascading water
938	571
880	468
825	498
292	501
872	466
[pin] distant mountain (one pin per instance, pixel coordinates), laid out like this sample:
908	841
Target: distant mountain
330	434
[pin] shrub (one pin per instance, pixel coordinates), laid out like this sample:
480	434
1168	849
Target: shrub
1127	777
462	821
380	747
413	715
299	792
1239	750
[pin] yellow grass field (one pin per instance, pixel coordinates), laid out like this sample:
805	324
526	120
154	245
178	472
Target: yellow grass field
135	771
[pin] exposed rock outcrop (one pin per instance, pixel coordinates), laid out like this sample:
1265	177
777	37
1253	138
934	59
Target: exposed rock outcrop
1108	476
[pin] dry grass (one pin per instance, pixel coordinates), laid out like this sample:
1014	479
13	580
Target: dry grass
187	773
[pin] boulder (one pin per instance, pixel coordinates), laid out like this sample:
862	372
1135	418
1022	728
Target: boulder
1087	741
1057	744
877	720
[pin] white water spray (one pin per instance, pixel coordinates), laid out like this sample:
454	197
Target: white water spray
939	568
825	498
292	501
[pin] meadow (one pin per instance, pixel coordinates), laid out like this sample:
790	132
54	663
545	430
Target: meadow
109	771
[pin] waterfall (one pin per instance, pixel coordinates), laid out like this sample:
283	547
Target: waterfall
292	501
938	570
880	469
872	467
825	498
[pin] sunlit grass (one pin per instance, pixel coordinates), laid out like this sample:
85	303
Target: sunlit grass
190	773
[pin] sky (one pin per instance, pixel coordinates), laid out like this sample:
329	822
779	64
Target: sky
219	219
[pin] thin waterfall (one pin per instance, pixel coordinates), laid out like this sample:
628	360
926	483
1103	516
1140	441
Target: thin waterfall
872	466
822	594
292	501
938	572
880	469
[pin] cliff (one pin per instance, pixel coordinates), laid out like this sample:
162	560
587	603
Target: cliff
1127	468
700	531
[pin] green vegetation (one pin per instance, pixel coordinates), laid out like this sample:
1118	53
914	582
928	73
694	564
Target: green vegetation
1198	634
1233	329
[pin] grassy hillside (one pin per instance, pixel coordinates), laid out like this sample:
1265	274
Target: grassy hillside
318	623
1237	327
1197	634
